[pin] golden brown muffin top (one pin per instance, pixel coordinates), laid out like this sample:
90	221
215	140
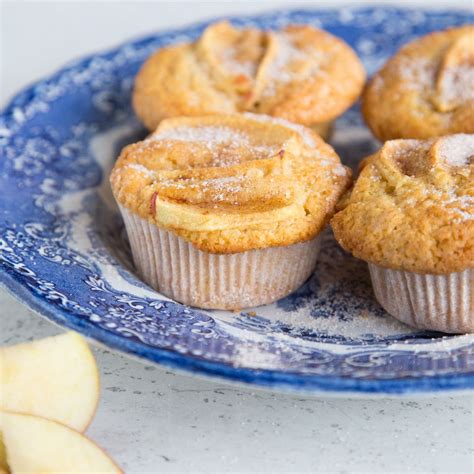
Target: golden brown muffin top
412	207
426	89
232	183
300	73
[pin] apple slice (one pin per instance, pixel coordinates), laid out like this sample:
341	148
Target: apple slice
56	378
35	444
3	457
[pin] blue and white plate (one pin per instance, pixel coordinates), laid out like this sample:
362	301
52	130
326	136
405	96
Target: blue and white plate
63	250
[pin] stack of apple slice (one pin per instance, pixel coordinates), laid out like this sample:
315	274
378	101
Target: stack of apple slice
49	391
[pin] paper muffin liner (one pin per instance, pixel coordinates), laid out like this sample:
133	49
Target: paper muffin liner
180	271
437	302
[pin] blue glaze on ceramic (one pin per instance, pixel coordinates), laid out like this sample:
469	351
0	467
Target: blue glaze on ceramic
63	251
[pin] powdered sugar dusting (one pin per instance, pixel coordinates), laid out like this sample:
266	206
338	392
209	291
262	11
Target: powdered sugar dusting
459	206
453	87
211	135
457	84
462	207
221	188
361	323
287	53
289	64
234	66
418	73
221	141
140	168
457	150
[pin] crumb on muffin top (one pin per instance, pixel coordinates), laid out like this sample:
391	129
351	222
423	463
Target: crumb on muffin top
232	183
299	73
426	89
412	207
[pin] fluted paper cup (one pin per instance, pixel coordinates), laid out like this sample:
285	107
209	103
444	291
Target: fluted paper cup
437	302
180	271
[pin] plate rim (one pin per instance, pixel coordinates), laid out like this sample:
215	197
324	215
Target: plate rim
263	378
258	378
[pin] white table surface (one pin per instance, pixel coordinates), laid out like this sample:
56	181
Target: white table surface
151	420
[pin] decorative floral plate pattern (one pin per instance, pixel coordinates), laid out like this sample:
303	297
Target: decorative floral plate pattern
63	250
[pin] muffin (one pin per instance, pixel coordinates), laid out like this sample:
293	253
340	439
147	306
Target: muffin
300	73
410	215
225	211
426	89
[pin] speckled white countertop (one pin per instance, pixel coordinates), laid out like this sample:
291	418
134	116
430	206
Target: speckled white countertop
151	420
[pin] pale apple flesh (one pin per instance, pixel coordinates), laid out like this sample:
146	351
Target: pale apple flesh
3	457
35	444
56	378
